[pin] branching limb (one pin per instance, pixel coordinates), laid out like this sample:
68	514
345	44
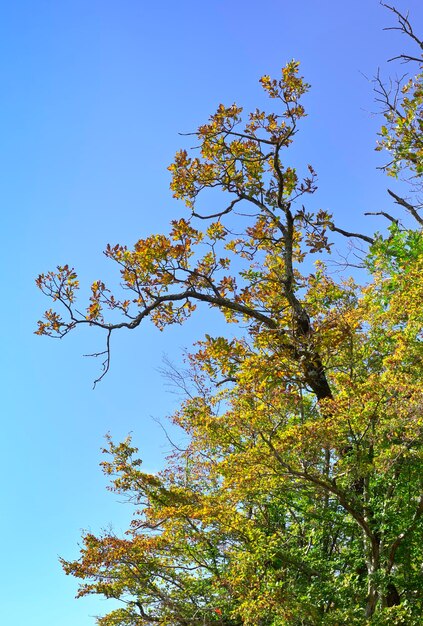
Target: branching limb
346	233
106	362
406	28
326	486
409	207
388	217
220	214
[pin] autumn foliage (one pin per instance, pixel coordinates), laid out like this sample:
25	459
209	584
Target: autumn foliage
297	500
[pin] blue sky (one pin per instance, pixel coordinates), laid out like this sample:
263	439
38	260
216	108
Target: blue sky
94	94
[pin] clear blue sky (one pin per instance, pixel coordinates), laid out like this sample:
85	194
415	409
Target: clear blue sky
93	95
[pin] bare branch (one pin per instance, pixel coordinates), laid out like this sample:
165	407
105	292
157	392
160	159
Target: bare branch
106	362
405	58
166	434
346	233
268	142
404	25
388	217
388	96
217	215
409	207
228	379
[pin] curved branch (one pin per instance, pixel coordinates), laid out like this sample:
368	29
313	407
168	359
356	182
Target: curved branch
346	233
404	27
215	300
214	215
409	207
388	217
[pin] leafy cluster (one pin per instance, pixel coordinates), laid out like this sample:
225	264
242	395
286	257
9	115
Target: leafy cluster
402	134
298	498
283	510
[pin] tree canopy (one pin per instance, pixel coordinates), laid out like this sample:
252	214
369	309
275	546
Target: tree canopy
298	498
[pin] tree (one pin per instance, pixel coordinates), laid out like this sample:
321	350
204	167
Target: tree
298	498
402	103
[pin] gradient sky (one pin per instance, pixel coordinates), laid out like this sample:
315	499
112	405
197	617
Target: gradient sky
93	95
